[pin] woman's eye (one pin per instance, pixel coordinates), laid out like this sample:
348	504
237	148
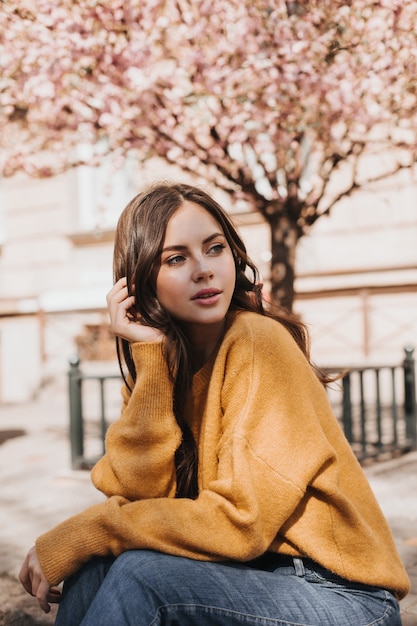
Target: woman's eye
217	248
175	260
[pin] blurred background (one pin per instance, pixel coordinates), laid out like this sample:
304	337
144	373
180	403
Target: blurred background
299	117
355	284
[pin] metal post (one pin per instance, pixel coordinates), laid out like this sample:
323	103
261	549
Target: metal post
103	422
75	412
364	434
410	407
378	407
347	408
394	408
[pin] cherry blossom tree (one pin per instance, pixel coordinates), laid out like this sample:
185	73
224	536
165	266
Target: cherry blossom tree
277	103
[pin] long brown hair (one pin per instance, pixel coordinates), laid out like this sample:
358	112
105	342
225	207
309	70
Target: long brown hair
139	239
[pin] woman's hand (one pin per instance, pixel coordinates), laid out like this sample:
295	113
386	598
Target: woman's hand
34	581
121	323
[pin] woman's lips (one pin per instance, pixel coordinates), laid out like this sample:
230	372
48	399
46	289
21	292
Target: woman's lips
208	296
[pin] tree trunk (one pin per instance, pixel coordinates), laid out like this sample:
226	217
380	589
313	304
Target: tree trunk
284	238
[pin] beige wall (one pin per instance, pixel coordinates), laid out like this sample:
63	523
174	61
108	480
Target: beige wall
357	275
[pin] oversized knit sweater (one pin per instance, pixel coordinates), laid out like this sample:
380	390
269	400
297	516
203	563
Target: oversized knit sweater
275	470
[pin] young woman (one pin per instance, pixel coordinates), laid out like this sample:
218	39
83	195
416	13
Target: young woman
232	495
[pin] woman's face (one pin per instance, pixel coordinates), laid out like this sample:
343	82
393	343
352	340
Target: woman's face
196	279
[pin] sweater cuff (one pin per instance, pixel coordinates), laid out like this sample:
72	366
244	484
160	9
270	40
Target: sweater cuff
149	352
66	547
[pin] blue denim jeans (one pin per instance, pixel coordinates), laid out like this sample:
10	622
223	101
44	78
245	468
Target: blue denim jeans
144	588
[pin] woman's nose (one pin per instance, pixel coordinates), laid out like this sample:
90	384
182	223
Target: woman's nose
202	271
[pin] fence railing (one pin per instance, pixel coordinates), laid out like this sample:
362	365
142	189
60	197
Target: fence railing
99	420
376	407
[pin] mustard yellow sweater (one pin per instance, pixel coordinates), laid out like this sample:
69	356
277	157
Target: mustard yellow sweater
275	470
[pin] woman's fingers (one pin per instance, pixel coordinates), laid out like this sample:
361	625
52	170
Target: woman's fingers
122	323
54	595
25	576
119	303
119	293
42	593
34	581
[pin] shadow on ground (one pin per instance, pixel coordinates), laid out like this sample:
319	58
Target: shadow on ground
11	434
18	608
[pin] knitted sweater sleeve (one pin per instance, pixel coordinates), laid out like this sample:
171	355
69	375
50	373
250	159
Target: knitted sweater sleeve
253	472
142	443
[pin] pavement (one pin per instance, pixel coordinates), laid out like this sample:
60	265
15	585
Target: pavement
38	489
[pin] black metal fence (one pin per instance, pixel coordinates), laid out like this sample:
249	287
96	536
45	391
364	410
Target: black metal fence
376	407
88	424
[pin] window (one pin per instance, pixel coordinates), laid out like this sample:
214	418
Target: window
102	194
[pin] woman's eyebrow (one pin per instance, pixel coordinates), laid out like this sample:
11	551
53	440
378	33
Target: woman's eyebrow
213	236
182	247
